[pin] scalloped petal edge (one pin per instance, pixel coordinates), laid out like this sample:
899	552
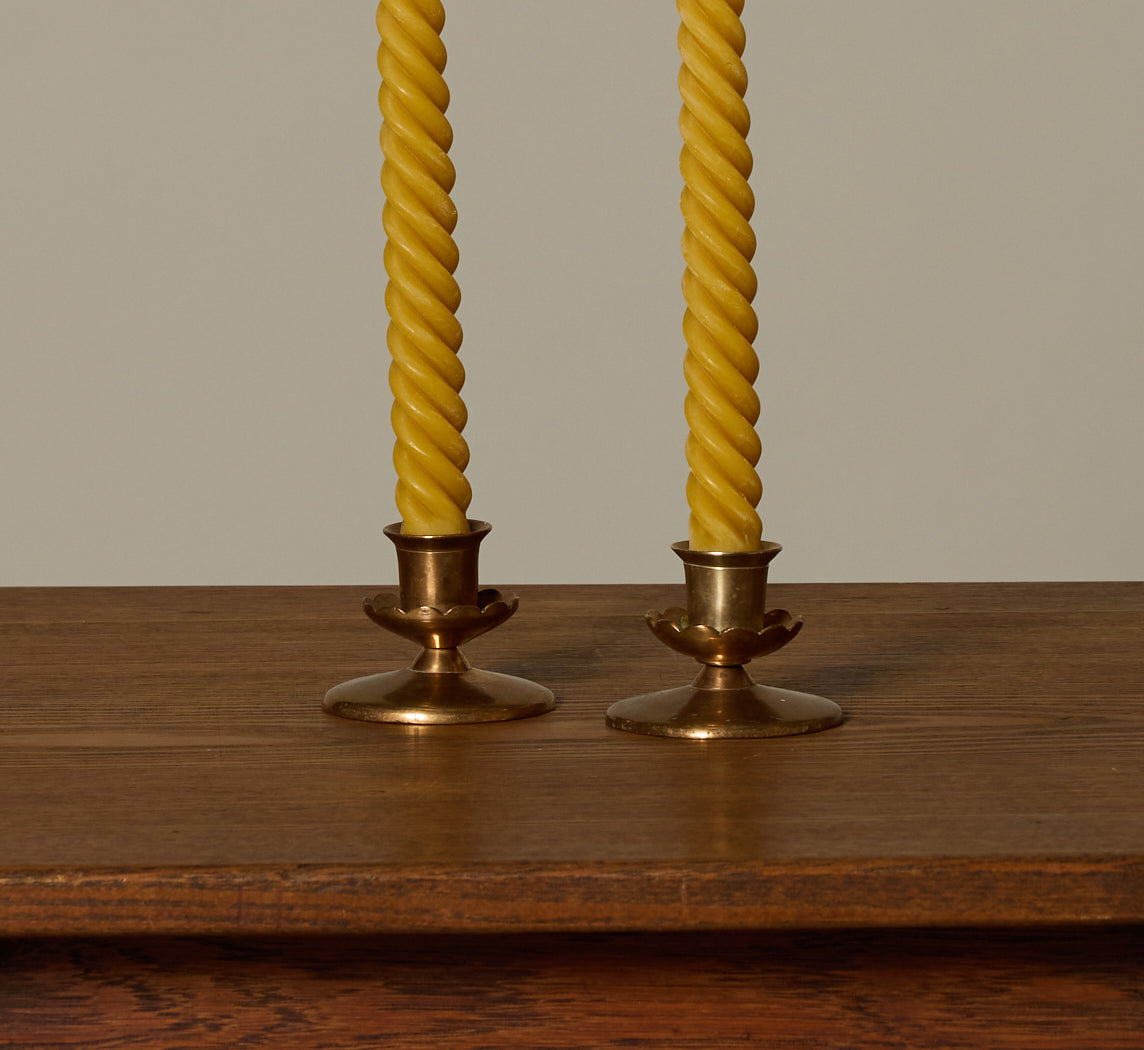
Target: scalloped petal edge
671	621
732	646
495	605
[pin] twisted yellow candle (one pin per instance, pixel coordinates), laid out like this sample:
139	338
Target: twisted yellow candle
420	257
719	324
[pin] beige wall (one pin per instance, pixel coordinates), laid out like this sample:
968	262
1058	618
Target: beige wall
951	231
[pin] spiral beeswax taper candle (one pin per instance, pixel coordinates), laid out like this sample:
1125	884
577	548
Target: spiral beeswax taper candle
420	258
719	284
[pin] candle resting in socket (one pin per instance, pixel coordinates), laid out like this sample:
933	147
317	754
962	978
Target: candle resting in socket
724	627
440	607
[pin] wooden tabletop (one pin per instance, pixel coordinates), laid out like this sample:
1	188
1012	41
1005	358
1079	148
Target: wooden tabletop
165	766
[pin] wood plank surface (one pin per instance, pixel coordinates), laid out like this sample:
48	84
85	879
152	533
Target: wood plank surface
906	990
165	766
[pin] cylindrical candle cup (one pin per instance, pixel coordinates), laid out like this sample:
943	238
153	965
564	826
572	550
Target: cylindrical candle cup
438	572
726	588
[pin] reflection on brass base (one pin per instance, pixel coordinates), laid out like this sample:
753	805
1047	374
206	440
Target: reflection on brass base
724	703
725	625
440	608
421	698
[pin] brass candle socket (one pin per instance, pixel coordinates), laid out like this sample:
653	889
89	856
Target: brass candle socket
440	607
724	626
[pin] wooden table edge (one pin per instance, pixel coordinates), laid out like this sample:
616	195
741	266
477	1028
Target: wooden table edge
293	899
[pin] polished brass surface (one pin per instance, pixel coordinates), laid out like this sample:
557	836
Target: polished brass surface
703	711
733	647
418	697
726	588
724	626
438	572
440	629
440	607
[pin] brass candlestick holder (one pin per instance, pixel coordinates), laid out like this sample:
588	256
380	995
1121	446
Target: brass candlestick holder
440	607
724	626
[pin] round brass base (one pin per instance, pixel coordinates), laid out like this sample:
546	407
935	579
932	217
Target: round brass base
738	710
434	698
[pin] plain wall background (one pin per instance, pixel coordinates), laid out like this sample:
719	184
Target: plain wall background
951	231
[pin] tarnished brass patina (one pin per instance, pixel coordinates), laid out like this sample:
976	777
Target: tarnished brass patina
440	607
724	626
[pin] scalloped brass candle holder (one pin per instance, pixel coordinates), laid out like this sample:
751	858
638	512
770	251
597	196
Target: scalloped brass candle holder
724	626
440	607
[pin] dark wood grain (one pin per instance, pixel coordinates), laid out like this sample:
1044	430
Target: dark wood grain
906	990
911	879
569	897
165	766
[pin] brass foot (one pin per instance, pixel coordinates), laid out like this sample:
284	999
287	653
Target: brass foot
712	708
421	698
